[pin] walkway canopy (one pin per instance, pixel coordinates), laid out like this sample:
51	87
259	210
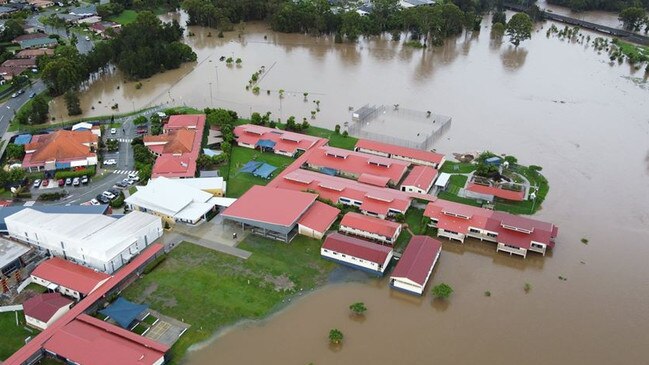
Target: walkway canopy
264	171
250	166
123	312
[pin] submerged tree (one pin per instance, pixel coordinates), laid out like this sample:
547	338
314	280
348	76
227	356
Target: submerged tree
335	336
519	28
442	291
358	308
72	102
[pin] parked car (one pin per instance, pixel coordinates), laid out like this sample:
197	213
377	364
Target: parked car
113	130
68	181
133	176
37	183
110	162
75	181
87	38
32	95
114	192
121	185
102	199
128	182
84	179
94	202
61	182
108	195
45	183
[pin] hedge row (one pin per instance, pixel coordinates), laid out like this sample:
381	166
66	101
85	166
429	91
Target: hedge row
72	174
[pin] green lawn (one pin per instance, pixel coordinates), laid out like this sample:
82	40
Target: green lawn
150	319
413	219
35	288
457	167
455	183
126	17
402	240
140	328
13	337
454	198
210	290
528	206
239	183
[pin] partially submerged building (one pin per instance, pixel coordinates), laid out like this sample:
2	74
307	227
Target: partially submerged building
94	240
416	265
273	140
371	228
356	253
68	278
513	234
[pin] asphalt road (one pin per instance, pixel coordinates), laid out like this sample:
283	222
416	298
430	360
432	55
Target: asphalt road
11	106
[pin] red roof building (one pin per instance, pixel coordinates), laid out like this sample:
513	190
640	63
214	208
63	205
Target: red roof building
68	278
60	150
372	200
419	180
178	147
317	220
270	212
279	141
412	155
33	53
88	340
416	264
356	253
354	164
44	309
496	191
20	63
370	228
513	234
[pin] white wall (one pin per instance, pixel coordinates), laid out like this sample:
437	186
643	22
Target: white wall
451	235
42	325
356	261
306	231
60	289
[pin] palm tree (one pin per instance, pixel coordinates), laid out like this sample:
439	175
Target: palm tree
335	336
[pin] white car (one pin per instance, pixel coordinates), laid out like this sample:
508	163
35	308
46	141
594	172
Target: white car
113	130
110	162
94	202
108	195
37	183
87	38
133	176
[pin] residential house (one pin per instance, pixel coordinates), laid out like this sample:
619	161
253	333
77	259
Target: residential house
33	53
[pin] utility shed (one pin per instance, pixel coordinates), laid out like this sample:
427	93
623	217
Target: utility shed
416	265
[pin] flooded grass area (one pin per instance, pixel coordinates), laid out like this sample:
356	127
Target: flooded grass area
240	182
210	290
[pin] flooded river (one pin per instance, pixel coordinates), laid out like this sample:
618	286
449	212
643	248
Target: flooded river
550	103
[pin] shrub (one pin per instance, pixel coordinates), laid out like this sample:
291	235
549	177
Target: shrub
335	336
52	196
118	202
442	291
72	174
358	308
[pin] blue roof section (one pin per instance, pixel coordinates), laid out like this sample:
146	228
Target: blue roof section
250	166
57	209
328	171
493	160
264	171
265	143
123	312
23	139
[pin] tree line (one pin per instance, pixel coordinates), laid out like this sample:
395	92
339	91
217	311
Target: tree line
608	5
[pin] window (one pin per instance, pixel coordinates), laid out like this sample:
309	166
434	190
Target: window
473	230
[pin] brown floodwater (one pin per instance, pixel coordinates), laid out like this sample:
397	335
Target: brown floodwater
549	102
608	18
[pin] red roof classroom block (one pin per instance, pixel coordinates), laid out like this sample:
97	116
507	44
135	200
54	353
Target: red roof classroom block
270	205
88	340
416	264
357	247
409	154
381	181
497	192
370	224
286	143
420	179
70	275
319	217
355	164
44	306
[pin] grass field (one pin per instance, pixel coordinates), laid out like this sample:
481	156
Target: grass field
239	183
13	337
210	290
455	183
126	17
457	167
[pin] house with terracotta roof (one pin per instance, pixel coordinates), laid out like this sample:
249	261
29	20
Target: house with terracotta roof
411	155
371	200
356	253
371	228
274	213
317	220
61	150
88	340
68	278
513	234
416	265
177	147
419	180
44	309
274	140
375	170
21	64
33	53
101	28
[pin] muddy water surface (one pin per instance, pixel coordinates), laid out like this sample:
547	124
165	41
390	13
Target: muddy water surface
550	103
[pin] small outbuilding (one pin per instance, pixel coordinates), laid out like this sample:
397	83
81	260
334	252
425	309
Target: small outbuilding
416	265
356	253
317	220
44	309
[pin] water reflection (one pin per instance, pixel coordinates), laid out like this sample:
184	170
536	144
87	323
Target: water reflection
513	58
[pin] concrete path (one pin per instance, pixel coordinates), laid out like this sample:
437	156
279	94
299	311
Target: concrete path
177	237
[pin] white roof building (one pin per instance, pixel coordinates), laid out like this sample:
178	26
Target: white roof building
207	184
174	200
94	240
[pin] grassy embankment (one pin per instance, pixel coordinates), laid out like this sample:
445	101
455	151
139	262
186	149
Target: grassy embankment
210	290
13	337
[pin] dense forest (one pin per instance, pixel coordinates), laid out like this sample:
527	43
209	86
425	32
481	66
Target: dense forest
609	5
